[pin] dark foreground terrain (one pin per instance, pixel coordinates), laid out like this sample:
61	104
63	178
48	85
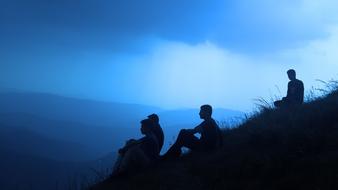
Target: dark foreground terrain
272	150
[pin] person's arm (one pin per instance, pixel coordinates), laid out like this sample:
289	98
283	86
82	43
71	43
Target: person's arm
301	92
197	129
130	143
289	91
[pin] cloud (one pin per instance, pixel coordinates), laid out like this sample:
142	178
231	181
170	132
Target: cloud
179	74
176	54
243	26
106	24
318	58
271	25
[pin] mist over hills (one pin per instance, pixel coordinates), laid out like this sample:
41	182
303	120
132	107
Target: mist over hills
26	142
72	109
99	139
100	126
60	137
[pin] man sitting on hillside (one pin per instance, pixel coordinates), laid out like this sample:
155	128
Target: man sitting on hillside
138	153
210	136
157	130
295	94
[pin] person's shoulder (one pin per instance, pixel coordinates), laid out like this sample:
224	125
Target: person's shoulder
157	129
158	126
299	82
204	122
214	122
210	121
149	139
145	138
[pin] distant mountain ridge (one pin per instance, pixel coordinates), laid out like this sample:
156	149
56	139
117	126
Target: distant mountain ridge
94	112
23	141
72	109
97	140
90	122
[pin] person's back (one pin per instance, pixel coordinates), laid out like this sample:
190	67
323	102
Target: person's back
160	135
295	92
149	146
157	129
210	134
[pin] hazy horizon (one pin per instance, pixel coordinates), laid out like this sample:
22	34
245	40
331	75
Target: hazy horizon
163	109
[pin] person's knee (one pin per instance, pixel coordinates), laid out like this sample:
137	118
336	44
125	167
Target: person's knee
278	103
184	133
181	134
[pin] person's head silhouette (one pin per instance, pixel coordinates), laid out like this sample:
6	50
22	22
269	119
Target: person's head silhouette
205	112
291	74
154	117
146	126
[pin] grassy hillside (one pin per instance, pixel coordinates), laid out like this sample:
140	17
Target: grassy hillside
273	149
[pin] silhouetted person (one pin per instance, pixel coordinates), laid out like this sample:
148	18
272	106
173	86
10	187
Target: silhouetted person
295	94
210	136
157	129
138	153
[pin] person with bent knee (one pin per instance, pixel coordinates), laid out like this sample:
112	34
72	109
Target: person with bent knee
138	154
210	136
295	93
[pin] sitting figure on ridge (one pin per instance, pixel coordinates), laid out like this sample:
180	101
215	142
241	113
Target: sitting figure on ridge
210	136
138	153
295	94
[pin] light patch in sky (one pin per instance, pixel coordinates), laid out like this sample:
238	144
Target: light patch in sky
181	75
177	74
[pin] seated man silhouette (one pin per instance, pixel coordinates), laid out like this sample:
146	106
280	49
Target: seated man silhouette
157	130
138	153
295	94
210	136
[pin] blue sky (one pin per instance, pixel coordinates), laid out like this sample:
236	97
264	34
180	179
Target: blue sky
177	53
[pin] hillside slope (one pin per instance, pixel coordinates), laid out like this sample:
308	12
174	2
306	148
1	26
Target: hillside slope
273	149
